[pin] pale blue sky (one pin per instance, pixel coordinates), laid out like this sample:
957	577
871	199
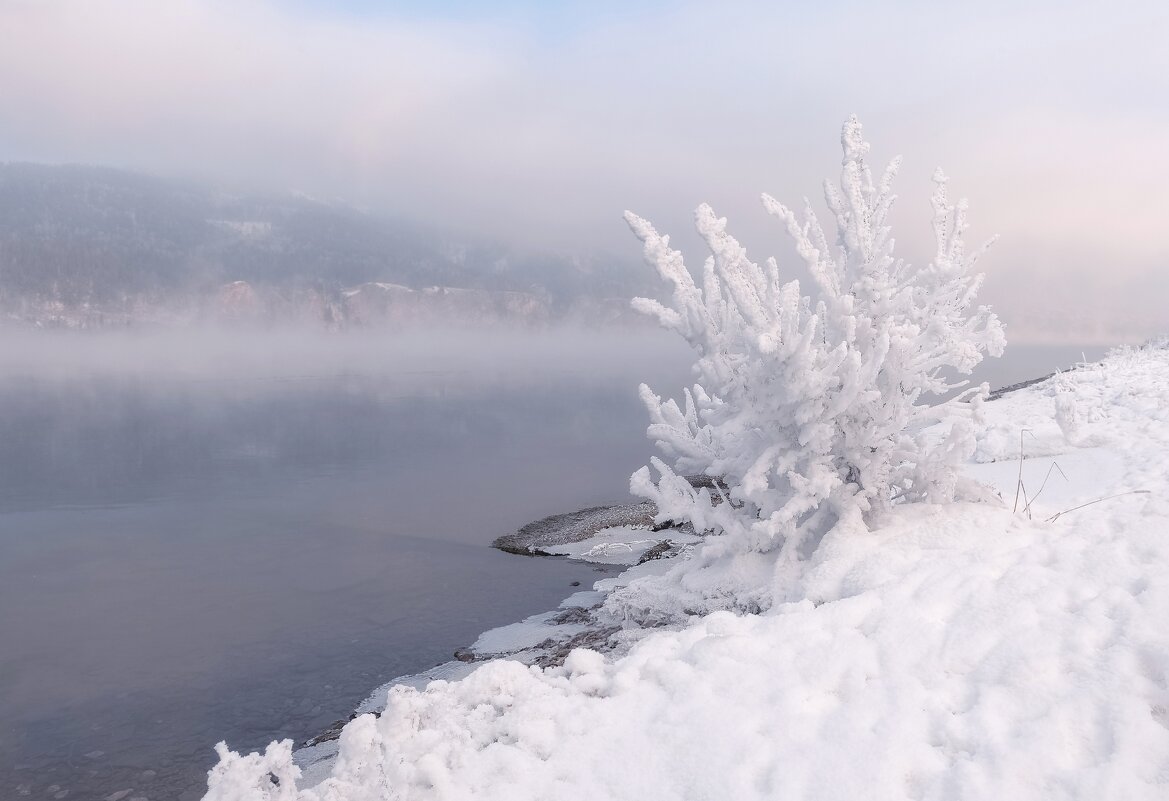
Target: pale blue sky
541	122
541	12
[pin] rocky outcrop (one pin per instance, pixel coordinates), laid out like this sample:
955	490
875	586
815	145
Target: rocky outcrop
535	538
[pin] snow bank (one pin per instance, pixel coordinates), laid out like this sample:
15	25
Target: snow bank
960	651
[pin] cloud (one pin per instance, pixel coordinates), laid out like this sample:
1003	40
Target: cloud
544	128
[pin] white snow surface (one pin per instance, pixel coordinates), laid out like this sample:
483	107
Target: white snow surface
957	652
619	545
528	633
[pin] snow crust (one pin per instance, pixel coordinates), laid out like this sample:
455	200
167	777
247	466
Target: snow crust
528	633
621	545
960	651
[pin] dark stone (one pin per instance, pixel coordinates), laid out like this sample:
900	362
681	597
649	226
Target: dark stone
573	614
532	539
535	537
332	732
662	550
596	639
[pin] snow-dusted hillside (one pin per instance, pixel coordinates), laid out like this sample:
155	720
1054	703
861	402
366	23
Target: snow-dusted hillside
94	247
964	651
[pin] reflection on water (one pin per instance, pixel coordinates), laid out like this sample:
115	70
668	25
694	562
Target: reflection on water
243	548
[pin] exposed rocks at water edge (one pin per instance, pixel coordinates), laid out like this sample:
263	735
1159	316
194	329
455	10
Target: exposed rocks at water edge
536	537
543	640
539	537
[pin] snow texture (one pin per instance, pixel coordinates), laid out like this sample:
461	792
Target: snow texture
812	411
958	651
528	633
624	545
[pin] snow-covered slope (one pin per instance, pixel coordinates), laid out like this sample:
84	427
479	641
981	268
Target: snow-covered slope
958	652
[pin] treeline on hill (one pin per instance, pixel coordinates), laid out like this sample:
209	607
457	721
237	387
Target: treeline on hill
77	235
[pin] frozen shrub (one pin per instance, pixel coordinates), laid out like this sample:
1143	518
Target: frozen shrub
816	409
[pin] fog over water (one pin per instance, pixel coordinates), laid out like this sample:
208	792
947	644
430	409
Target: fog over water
1039	111
230	535
238	536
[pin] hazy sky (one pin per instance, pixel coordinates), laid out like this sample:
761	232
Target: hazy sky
541	122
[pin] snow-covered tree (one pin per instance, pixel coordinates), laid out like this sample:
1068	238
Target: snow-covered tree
812	410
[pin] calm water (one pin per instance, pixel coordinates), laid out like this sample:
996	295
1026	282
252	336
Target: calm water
239	539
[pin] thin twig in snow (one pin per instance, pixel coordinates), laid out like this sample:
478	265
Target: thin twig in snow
1019	483
1054	466
1056	516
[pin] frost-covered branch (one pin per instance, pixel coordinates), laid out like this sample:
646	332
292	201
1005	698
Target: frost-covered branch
813	410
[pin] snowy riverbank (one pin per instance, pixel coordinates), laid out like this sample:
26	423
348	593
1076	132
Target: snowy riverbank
958	651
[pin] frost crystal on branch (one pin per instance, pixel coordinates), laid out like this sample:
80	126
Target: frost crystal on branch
814	410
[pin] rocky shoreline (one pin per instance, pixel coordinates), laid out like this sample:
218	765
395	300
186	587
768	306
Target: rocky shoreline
545	640
537	537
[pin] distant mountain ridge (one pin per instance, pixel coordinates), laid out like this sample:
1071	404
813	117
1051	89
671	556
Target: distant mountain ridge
85	246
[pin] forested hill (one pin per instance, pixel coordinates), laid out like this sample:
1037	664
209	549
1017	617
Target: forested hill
102	244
